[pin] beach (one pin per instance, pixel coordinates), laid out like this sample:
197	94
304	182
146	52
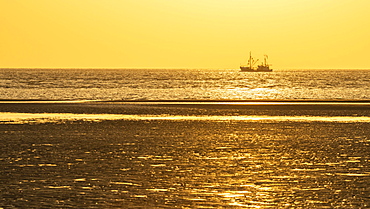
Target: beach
184	104
185	154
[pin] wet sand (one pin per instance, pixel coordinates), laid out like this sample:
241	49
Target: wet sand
282	108
185	163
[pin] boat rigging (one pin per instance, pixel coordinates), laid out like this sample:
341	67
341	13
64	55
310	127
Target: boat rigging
264	67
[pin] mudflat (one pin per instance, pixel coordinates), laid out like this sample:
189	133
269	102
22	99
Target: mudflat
151	162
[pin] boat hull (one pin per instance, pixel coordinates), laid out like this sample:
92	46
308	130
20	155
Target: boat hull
248	69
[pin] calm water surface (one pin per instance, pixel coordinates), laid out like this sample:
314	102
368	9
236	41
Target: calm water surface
183	84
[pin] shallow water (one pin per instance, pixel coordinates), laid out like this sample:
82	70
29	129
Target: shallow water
29	118
185	164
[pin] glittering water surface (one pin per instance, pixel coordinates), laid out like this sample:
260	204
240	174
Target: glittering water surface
175	155
185	164
25	118
183	84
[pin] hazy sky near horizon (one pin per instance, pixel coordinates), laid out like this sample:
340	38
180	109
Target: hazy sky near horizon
184	33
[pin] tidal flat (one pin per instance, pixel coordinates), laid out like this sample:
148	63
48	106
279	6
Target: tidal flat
185	163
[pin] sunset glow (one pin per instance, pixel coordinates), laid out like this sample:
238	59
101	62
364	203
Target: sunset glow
184	33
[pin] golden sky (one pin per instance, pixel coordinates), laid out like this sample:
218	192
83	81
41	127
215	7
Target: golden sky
296	34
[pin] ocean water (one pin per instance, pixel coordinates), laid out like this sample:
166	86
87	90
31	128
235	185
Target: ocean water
171	84
184	154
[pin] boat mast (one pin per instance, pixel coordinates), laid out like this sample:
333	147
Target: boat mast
250	60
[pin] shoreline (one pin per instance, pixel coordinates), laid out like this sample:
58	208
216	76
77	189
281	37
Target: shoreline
192	107
194	102
191	100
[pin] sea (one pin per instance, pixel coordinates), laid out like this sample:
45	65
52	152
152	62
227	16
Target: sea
182	84
184	138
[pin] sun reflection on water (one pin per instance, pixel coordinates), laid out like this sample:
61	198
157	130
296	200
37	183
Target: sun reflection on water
8	118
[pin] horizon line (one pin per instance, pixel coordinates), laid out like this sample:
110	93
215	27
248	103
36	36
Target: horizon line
158	68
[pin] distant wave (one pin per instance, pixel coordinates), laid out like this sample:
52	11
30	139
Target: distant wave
226	101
